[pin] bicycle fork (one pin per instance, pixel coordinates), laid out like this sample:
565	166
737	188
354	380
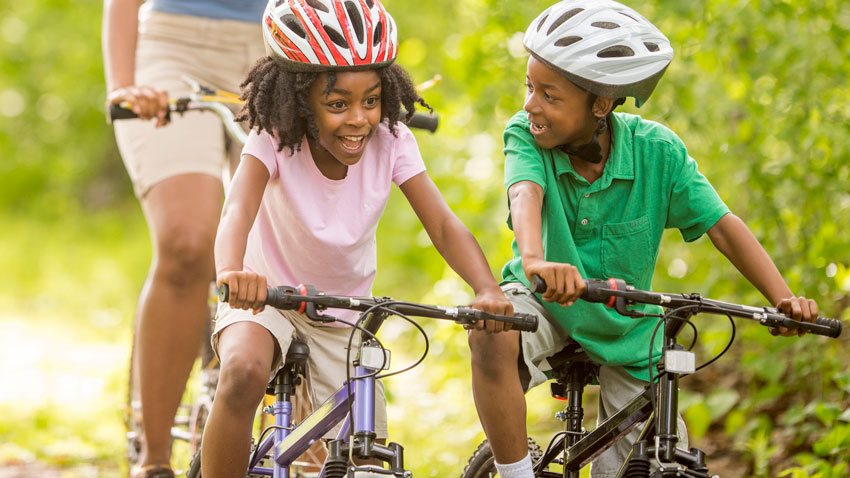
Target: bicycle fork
364	444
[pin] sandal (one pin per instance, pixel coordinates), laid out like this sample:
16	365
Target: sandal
152	471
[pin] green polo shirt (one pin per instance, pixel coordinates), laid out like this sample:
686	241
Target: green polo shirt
612	228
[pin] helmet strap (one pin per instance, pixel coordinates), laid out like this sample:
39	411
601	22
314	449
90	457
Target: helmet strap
592	151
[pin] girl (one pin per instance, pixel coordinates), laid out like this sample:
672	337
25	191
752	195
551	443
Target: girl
327	143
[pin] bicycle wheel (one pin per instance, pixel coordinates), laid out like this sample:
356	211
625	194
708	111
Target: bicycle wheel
195	466
482	464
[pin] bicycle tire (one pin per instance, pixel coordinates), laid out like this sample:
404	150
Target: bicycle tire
482	464
194	470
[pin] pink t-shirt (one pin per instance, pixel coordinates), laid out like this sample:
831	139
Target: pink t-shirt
318	231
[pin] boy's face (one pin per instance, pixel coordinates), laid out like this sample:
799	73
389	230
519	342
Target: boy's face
557	109
347	117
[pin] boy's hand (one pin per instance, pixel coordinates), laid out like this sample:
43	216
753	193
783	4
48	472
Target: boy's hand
247	289
564	284
492	301
797	308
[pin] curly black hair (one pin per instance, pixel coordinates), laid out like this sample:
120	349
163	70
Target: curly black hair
277	100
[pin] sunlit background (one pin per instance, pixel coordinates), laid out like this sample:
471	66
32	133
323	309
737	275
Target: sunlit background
758	91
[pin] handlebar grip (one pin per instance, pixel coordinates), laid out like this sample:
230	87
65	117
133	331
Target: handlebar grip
424	121
591	294
117	112
277	297
833	326
537	284
523	322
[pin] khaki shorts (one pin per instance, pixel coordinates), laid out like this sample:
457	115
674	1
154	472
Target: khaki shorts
326	363
216	53
616	386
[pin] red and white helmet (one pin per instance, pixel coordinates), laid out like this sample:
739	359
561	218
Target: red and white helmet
321	35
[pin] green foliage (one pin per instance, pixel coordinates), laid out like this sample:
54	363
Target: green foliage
757	90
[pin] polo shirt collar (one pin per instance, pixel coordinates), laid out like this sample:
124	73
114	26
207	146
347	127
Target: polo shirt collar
621	161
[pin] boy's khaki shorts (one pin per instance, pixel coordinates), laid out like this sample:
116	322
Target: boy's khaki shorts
616	386
326	363
216	53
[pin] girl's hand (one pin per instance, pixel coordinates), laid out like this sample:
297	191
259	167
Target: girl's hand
797	308
145	101
564	284
247	289
492	301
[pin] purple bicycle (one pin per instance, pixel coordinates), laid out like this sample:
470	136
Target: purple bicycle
353	405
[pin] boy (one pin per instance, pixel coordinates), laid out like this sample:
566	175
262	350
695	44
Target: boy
590	194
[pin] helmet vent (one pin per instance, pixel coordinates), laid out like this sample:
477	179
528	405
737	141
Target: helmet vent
370	4
379	33
356	20
651	46
566	41
292	23
316	4
336	37
542	21
605	25
616	51
627	15
566	16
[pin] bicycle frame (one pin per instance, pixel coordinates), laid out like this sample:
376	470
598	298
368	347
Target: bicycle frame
582	451
580	448
287	443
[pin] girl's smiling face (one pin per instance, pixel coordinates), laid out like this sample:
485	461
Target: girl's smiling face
557	109
347	118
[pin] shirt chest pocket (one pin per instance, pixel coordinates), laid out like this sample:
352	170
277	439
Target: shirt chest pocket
626	250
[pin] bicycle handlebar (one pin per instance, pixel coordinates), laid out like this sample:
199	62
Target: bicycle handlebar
285	297
609	291
427	122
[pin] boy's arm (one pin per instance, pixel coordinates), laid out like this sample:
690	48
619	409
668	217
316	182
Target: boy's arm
247	290
735	241
457	245
563	281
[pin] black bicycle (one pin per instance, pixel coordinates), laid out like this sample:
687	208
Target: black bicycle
657	407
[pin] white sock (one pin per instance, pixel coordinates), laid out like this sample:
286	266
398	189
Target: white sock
520	469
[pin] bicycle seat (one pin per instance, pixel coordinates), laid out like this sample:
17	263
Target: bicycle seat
571	353
297	353
571	364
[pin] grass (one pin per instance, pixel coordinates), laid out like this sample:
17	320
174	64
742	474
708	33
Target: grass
67	305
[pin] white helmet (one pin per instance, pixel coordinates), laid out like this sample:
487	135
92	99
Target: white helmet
602	46
321	35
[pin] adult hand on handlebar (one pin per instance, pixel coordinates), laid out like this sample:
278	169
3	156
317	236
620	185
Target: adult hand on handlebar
492	301
248	290
564	284
797	308
147	102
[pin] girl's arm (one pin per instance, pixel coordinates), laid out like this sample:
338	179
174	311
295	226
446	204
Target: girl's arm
457	246
247	289
119	35
563	281
735	241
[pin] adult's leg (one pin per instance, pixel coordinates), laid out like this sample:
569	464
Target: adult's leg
246	350
182	214
495	374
